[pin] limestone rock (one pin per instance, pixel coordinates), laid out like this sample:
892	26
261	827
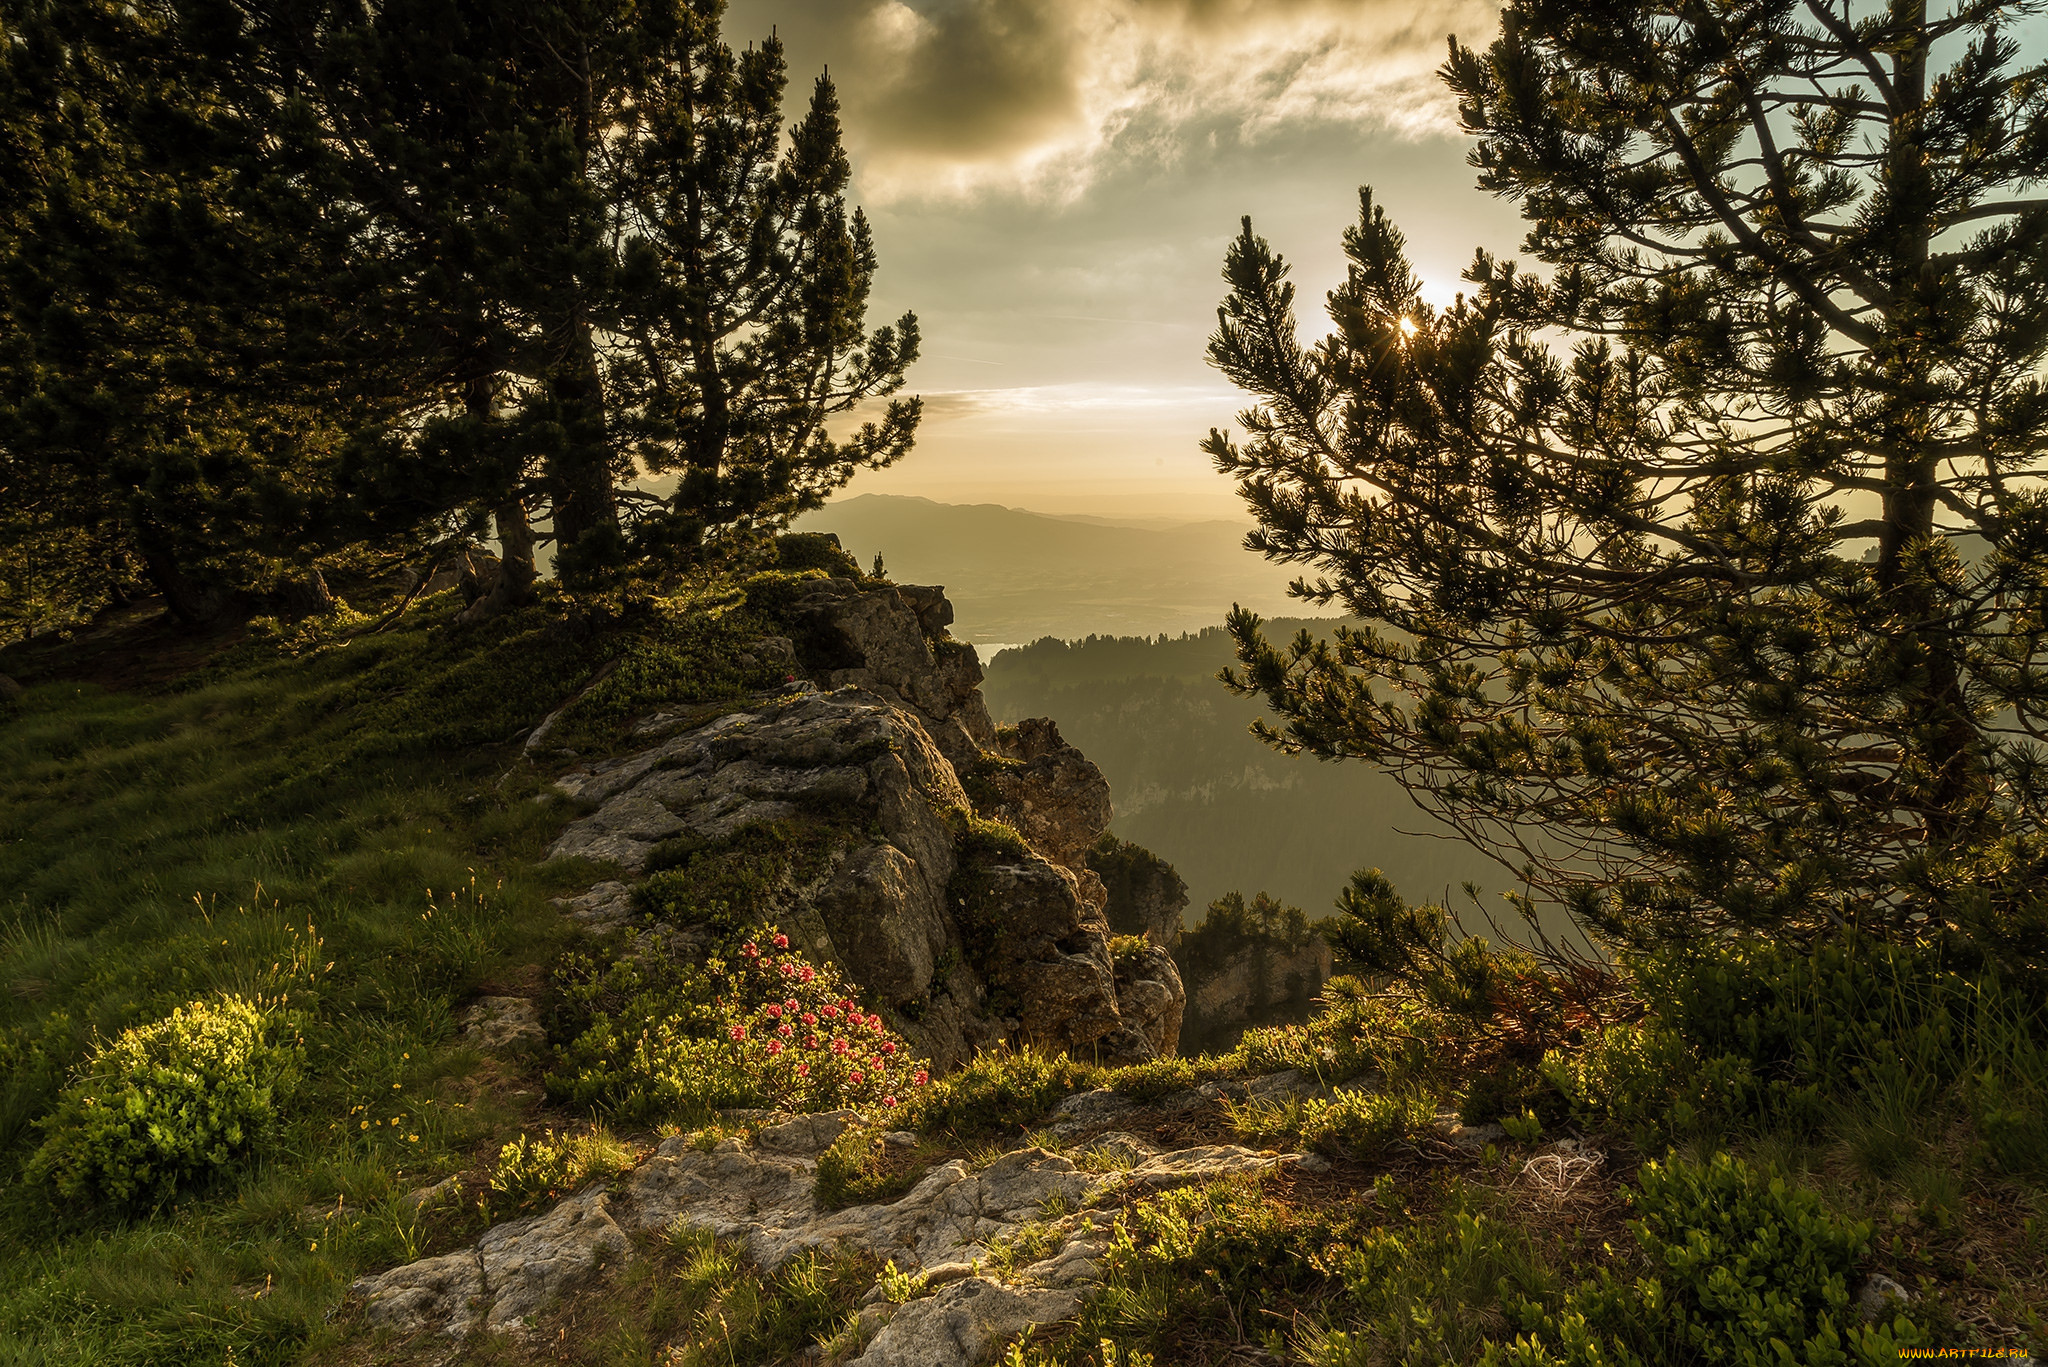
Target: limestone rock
1879	1296
731	1190
762	1195
530	1263
879	639
1048	955
442	1295
607	904
1284	1086
877	750
964	1325
1472	1138
502	1023
1144	894
1149	998
807	1136
428	1198
1086	1110
1204	1164
1053	795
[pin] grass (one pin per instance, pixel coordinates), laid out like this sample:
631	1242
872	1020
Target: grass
345	827
337	828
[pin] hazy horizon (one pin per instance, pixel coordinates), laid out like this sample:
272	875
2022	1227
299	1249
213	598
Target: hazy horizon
1052	185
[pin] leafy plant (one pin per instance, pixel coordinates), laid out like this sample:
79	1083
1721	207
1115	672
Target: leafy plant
651	1036
165	1105
532	1169
1745	1269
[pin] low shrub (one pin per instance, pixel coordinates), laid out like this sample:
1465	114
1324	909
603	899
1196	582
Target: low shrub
651	1036
166	1105
856	1171
1393	1034
730	884
1745	1269
1001	1089
728	1311
1359	1123
531	1170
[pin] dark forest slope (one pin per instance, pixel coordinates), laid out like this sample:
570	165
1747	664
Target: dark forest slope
1191	783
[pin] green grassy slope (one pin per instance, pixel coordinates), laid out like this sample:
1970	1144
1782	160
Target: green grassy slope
329	830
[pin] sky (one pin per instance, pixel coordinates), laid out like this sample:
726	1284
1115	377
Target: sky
1052	186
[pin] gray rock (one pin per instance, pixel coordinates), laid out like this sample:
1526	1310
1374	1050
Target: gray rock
502	1023
879	639
965	1324
1054	796
1086	1110
807	1136
1051	953
1128	1148
444	1295
900	1139
1469	1137
1879	1296
1201	1165
441	1193
879	750
1284	1086
607	904
529	1264
951	1215
10	688
943	1231
1150	999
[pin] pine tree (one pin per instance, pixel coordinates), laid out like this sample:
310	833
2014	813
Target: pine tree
744	297
155	286
1729	617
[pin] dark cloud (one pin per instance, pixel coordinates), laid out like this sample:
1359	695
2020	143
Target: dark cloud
1040	96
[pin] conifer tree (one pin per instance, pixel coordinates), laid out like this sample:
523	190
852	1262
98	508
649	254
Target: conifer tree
1704	579
744	289
155	286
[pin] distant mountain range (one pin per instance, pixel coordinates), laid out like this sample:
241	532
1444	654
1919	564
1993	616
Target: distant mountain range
1015	576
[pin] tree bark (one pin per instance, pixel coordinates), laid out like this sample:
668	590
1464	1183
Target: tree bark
194	604
579	475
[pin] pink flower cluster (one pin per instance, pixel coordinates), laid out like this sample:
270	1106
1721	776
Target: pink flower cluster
795	1031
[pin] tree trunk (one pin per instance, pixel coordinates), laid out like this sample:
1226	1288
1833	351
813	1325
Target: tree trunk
513	587
579	475
194	604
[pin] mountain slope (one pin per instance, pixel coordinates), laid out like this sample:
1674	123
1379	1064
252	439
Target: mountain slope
1189	782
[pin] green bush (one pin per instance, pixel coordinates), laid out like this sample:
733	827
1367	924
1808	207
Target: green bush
999	1090
649	1036
531	1170
166	1105
1746	1269
732	883
1360	1123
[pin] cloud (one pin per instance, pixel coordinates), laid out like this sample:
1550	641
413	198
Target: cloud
1041	98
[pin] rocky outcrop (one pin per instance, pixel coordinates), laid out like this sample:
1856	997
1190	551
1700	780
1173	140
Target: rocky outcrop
945	1233
1050	792
1150	998
868	766
1145	894
890	641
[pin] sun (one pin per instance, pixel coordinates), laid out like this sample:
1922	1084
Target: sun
1407	327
